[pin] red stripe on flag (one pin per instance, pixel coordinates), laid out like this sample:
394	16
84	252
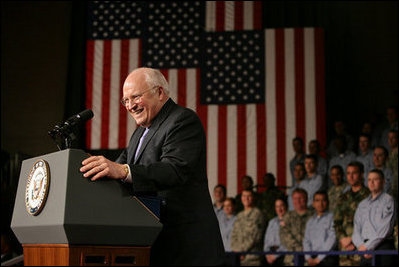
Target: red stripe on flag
182	87
222	144
202	110
258	15
89	86
238	16
106	82
124	70
299	83
241	145
261	142
165	73
220	9
320	88
280	107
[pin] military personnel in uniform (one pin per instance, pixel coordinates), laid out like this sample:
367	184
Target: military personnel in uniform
267	198
292	230
374	221
248	229
339	186
393	165
345	212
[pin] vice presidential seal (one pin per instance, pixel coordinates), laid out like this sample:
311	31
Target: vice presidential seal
37	187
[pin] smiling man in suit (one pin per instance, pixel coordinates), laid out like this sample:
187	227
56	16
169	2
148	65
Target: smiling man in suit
166	156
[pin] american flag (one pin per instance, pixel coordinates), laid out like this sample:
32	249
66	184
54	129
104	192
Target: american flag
254	88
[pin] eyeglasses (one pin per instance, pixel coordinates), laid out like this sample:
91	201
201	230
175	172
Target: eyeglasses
134	98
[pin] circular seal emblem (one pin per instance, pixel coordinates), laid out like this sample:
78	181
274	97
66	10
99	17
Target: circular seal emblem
37	187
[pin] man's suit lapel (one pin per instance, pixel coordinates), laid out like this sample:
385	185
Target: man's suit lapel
134	143
162	115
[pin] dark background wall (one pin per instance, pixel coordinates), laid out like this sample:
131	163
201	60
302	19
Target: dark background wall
42	57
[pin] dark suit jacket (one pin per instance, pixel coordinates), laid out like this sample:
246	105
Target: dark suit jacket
172	163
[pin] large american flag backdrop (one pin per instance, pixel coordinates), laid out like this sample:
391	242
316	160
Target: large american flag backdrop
254	88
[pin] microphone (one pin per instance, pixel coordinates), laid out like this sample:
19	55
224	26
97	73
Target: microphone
64	130
83	116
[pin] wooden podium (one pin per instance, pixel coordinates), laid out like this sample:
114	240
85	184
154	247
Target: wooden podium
81	222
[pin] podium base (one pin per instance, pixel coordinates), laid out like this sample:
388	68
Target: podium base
76	255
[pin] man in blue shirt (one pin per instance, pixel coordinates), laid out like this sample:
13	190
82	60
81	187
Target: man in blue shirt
320	233
374	221
313	181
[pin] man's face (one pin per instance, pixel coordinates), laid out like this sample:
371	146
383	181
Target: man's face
228	207
218	193
313	148
310	165
336	176
246	183
367	128
393	139
247	199
299	172
299	201
143	104
297	145
280	207
320	203
339	127
391	115
340	145
375	183
379	157
364	144
353	175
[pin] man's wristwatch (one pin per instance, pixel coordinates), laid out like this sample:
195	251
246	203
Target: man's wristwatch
126	169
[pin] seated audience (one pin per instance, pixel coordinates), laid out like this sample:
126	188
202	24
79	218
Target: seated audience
272	236
292	229
298	146
392	118
344	157
380	158
365	155
369	129
247	183
340	130
267	198
374	221
299	175
345	211
393	161
219	195
226	221
313	181
248	230
320	233
338	188
315	149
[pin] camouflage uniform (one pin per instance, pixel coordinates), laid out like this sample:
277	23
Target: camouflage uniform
334	194
247	235
266	202
292	232
344	218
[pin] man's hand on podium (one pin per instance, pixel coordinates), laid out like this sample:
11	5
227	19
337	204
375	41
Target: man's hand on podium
98	166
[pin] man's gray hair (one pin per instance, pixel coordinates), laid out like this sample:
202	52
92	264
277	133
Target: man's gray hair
155	78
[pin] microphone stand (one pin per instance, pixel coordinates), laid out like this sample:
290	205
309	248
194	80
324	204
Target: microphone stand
62	136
